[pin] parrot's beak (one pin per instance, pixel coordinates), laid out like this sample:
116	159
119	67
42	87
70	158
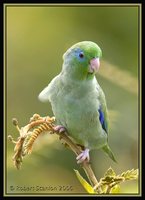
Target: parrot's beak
94	65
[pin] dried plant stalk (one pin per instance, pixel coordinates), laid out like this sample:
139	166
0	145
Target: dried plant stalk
37	131
30	132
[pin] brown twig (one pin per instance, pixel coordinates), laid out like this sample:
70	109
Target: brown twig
85	165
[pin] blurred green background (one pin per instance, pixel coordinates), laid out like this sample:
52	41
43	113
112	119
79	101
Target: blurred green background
37	37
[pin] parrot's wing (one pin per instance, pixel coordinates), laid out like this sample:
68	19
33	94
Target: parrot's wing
103	115
45	94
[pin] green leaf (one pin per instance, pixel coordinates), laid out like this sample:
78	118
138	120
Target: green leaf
130	174
110	173
84	183
115	189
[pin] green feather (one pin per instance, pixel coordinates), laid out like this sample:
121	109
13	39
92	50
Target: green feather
108	151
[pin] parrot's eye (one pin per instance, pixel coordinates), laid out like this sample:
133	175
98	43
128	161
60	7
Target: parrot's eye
81	55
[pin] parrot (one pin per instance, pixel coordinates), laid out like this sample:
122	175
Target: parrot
77	100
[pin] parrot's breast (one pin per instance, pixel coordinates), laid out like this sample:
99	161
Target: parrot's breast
76	108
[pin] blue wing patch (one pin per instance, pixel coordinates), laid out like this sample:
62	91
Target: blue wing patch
102	119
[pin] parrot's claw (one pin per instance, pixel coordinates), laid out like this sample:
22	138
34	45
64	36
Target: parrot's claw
82	156
60	128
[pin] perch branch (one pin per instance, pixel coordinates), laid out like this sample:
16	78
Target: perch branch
85	165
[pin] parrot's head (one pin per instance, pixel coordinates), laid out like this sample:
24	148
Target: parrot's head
82	60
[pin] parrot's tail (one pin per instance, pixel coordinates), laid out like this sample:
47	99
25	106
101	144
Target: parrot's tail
108	151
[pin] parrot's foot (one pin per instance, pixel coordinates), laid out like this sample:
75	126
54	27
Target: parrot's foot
60	128
82	156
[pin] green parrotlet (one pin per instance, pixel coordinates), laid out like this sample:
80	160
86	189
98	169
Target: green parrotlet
77	100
